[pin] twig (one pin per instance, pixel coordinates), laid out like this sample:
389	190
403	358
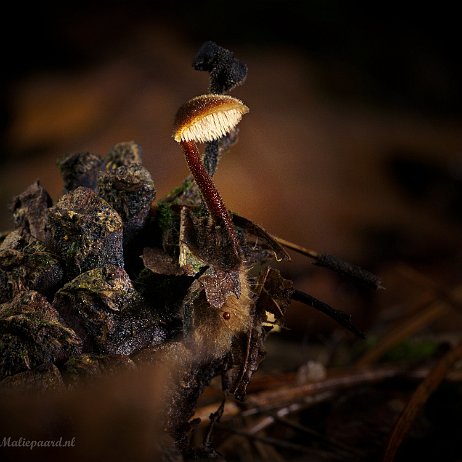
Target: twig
268	420
272	399
341	317
454	297
267	452
267	440
429	312
214	419
339	447
418	399
284	408
297	248
334	263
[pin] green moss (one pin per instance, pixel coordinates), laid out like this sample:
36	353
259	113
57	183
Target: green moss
185	187
186	194
109	282
164	216
412	350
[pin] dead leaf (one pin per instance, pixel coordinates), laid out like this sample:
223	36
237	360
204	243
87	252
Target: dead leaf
208	243
159	262
219	285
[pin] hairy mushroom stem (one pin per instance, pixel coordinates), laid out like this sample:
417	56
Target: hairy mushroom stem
210	194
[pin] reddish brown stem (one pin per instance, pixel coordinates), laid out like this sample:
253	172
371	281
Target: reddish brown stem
211	196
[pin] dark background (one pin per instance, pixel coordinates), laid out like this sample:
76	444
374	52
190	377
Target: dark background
353	145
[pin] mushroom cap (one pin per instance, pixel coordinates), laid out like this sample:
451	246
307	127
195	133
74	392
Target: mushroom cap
207	118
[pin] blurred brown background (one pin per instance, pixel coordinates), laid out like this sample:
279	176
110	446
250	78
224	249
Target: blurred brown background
353	145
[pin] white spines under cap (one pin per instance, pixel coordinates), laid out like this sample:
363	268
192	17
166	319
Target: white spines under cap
211	127
208	117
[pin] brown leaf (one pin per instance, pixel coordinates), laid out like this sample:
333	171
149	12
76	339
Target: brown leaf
159	262
206	242
258	241
219	285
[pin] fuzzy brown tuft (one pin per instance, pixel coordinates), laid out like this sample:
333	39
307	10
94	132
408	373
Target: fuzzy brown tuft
214	329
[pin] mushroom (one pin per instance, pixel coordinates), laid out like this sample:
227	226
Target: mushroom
202	119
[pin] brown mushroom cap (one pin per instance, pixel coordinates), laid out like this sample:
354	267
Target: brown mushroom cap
207	117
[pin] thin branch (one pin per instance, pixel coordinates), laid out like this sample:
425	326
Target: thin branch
266	401
341	317
424	317
339	447
298	401
284	444
418	400
334	264
297	248
267	452
452	297
214	419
